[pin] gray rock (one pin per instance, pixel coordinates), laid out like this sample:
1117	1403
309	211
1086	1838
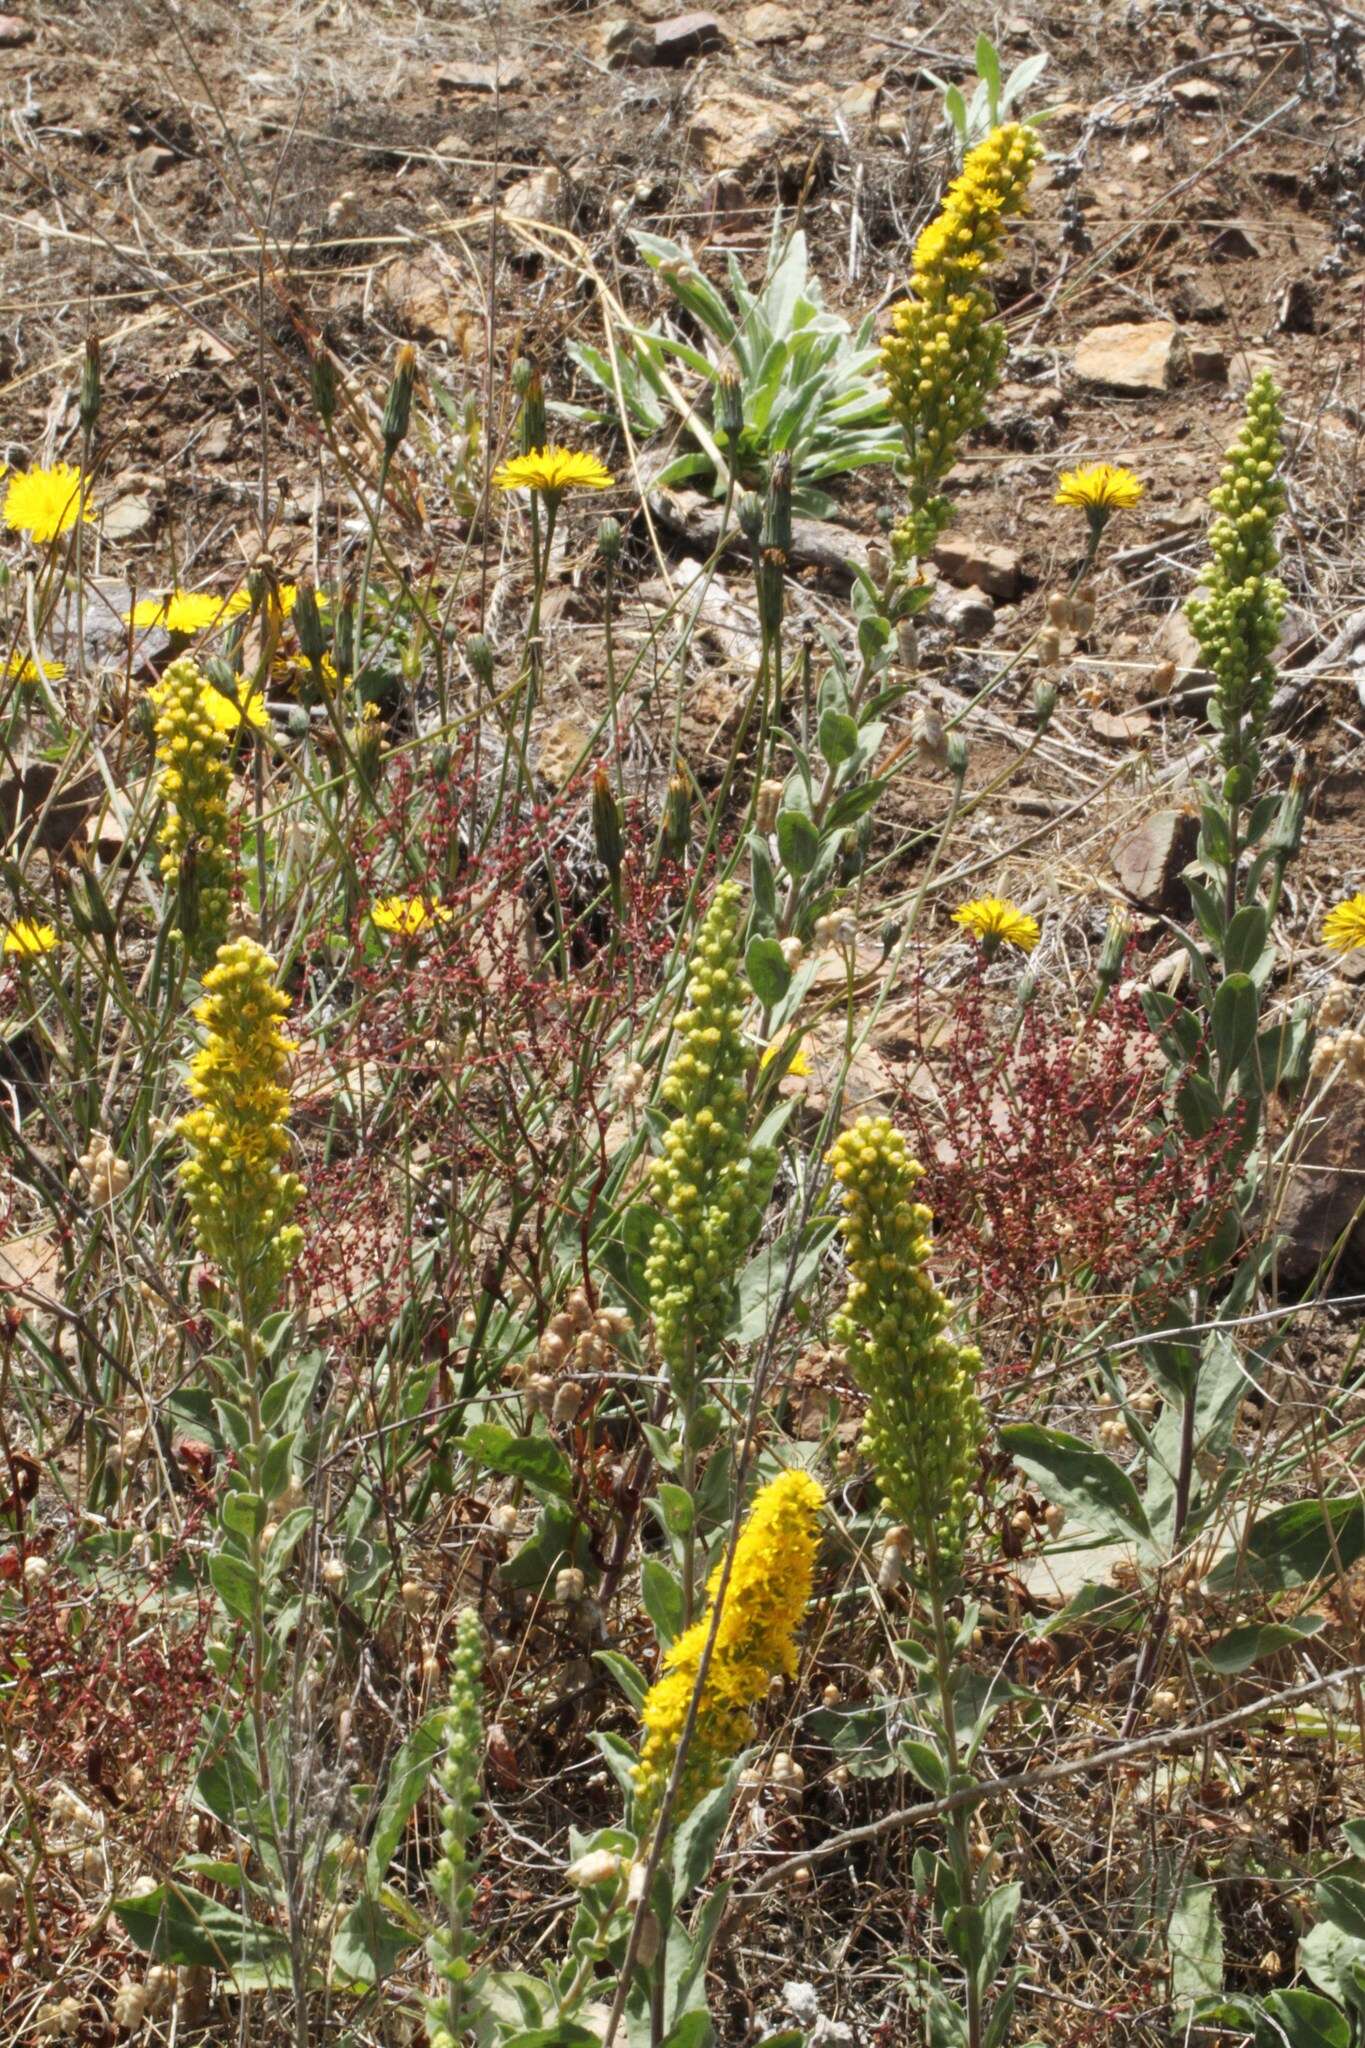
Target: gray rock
686	36
1148	862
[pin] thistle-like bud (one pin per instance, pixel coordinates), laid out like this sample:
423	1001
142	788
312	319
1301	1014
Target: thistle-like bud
531	429
308	626
955	757
1286	834
749	515
90	384
729	405
677	822
240	1195
398	404
479	654
606	823
1044	704
772	590
777	524
609	541
924	1424
322	379
709	1184
345	632
1114	951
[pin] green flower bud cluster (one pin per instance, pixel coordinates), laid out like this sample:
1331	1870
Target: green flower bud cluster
240	1196
457	1779
192	754
1238	616
924	1420
709	1181
944	352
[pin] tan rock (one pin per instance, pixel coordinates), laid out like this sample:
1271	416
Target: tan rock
980	565
1132	355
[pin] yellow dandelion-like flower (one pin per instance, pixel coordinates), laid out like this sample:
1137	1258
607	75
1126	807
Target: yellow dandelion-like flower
553	471
44	503
797	1064
187	611
1343	928
1099	486
26	939
770	1585
226	713
997	922
406	915
20	668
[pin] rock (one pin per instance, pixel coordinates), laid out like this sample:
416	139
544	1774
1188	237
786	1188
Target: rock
1208	365
535	198
624	43
1233	245
740	135
1324	1197
563	749
14	31
421	301
1174	642
973	563
1148	862
769	23
1295	312
1122	727
155	159
503	76
1197	298
967	614
859	102
127	517
1131	355
1245	366
686	36
1199	94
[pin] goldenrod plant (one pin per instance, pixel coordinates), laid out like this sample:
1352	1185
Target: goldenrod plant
193	755
457	1779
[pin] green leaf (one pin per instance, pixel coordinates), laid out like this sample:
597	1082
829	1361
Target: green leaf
1293	1546
1301	2019
798	842
693	2030
244	1514
838	737
620	1758
988	69
177	1924
564	2034
1085	1482
677	1508
1246	937
558	1539
407	1780
696	1842
1342	1901
627	1674
1243	1647
1195	1940
275	1466
763	881
955	107
235	1584
535	1459
368	1944
925	1764
663	1600
768	972
1233	1025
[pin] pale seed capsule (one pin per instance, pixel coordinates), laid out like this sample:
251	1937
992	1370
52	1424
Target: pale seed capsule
568	1400
1055	1518
767	806
570	1586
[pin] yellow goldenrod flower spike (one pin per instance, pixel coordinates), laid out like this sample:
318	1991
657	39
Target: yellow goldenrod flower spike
1343	928
943	353
44	503
26	939
240	1196
996	922
552	471
192	751
769	1588
923	1422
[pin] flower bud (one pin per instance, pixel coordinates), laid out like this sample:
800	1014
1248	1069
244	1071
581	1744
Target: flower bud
777	527
322	378
956	757
90	384
526	381
609	540
606	823
398	404
677	822
749	513
595	1866
729	405
479	655
568	1401
1044	704
772	589
1115	948
570	1585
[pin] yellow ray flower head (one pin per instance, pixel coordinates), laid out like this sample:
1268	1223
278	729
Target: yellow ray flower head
1344	927
406	915
187	611
552	471
944	350
797	1064
770	1585
997	922
20	669
240	1196
192	751
923	1422
25	939
1099	486
226	713
46	502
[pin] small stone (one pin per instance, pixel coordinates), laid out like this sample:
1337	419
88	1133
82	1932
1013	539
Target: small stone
1233	245
155	159
686	36
127	517
968	614
860	102
1201	95
769	23
422	303
1208	365
14	30
1323	1200
996	571
503	76
1196	297
1295	312
624	43
563	748
1131	355
1148	862
1174	642
535	198
740	135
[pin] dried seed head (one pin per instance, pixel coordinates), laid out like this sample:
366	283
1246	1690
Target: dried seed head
570	1586
567	1402
767	805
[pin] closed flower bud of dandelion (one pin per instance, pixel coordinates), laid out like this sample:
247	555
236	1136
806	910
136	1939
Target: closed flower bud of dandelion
769	1587
1044	704
240	1195
749	513
90	384
479	654
307	620
609	541
924	1422
398	404
677	824
955	757
777	519
772	589
729	405
1115	948
526	381
322	380
606	824
708	1183
1237	614
192	755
